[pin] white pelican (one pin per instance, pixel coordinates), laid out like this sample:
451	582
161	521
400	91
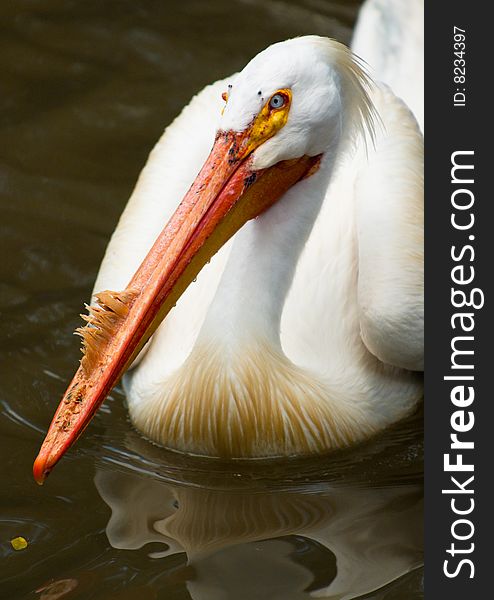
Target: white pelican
304	332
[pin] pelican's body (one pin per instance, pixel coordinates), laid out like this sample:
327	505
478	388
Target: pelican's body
304	332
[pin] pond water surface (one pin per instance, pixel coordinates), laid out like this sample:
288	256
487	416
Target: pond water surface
85	90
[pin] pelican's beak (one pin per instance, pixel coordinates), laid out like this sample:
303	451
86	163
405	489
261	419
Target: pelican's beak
226	193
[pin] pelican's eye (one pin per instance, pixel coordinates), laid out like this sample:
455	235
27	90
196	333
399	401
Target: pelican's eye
271	118
278	100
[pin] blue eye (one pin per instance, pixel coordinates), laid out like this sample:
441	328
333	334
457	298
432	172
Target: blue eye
277	101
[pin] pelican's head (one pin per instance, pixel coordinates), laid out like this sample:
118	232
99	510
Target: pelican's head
291	104
298	98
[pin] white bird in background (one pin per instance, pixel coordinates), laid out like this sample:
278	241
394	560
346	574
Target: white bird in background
389	35
304	332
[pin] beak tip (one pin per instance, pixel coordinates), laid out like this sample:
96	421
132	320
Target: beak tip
40	469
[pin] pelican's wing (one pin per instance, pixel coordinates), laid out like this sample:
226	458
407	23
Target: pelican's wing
389	217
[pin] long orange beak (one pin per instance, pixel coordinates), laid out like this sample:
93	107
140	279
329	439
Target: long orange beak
226	193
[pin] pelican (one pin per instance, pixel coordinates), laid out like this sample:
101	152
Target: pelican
289	271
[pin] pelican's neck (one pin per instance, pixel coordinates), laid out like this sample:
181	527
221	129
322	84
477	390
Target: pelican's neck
249	300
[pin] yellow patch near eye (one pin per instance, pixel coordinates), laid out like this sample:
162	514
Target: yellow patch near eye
269	121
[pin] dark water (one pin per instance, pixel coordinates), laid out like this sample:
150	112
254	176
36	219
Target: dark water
85	89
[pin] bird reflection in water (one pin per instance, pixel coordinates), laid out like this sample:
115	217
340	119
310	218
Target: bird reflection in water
278	530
